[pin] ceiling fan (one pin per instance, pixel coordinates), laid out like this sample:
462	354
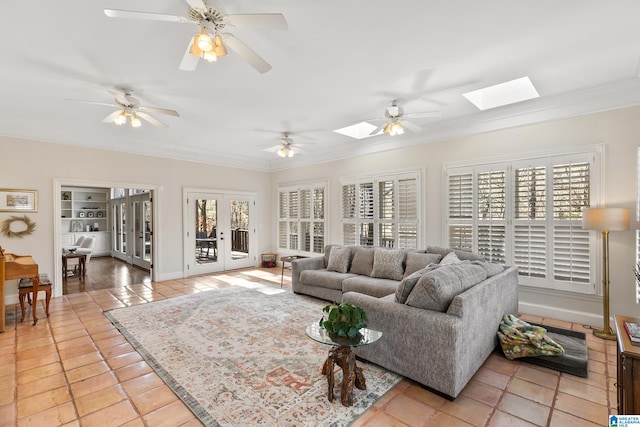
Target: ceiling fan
286	147
130	108
210	43
395	120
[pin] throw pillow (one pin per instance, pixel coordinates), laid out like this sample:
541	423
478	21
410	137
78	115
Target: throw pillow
406	286
437	288
450	258
362	262
387	263
417	261
339	259
463	255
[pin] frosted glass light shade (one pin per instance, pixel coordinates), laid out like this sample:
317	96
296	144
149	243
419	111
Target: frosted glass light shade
606	219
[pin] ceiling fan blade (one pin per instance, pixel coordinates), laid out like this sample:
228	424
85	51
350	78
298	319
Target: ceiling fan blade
377	130
189	62
158	110
197	4
424	115
411	126
272	21
151	119
246	52
130	14
111	117
120	97
273	149
93	102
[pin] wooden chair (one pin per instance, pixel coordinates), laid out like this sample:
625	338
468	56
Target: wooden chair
25	289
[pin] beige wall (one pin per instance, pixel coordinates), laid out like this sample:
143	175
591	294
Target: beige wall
617	130
28	164
35	165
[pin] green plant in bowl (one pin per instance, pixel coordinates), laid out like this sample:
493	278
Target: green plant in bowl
343	320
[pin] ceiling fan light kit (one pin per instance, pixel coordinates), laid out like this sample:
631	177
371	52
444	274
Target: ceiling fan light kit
285	151
209	43
393	128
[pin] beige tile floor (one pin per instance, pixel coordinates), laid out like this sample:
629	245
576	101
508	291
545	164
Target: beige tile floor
75	369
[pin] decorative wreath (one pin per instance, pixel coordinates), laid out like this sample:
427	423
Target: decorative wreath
6	226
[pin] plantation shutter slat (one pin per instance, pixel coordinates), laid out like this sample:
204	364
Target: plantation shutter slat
305	203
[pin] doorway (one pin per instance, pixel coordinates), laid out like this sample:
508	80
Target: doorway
145	249
132	230
219	234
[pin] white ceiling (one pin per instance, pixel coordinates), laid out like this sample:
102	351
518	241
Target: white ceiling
339	62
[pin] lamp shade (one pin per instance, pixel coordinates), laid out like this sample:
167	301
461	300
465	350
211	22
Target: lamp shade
609	219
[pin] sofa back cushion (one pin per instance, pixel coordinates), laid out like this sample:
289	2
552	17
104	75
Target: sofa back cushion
362	262
409	282
418	260
339	259
436	289
388	263
462	255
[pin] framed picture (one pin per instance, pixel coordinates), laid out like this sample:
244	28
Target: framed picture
18	200
76	226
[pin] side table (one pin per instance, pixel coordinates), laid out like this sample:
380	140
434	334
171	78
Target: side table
342	356
628	380
288	259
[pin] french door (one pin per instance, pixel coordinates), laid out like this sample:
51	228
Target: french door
219	234
132	229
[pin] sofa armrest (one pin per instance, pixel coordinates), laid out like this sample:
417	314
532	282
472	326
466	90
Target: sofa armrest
301	264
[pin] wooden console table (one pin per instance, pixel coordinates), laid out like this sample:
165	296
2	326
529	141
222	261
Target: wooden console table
628	381
17	267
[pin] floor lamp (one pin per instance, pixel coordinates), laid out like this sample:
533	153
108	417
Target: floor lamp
605	220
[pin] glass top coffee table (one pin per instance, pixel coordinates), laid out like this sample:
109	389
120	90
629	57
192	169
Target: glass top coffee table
342	356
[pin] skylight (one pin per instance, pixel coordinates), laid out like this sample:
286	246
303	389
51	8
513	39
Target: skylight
503	94
358	131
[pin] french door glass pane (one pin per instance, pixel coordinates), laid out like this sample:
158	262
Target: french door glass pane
206	224
239	229
147	230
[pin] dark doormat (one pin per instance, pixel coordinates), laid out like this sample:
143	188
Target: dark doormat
576	354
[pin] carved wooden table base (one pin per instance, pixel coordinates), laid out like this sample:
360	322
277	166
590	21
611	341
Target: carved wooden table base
351	374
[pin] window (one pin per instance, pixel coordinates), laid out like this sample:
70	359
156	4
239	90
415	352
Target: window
301	218
527	213
381	211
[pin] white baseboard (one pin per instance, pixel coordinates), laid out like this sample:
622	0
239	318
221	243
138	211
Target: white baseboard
580	317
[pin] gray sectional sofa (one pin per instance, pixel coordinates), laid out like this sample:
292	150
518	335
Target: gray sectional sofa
439	309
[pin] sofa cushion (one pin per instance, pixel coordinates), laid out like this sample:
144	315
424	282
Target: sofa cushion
362	262
491	268
387	264
324	278
436	289
463	255
409	282
327	253
339	259
450	258
417	261
370	286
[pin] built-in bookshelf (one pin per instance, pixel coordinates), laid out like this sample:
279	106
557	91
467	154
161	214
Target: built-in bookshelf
85	211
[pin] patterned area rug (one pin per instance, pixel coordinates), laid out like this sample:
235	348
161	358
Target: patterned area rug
240	357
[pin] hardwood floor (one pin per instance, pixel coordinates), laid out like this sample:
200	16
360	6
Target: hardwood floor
106	273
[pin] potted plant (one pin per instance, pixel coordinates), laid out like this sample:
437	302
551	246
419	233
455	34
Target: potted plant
343	321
